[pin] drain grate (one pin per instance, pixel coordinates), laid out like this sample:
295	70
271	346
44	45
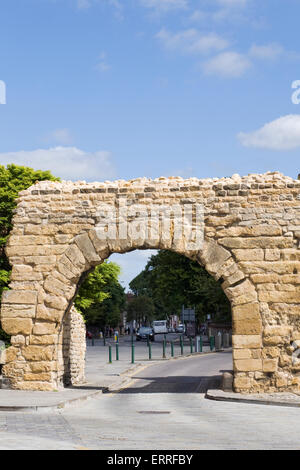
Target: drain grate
154	412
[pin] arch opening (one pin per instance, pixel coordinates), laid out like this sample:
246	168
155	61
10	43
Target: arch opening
186	286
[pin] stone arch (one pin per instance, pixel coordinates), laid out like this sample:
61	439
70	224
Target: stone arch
251	244
87	251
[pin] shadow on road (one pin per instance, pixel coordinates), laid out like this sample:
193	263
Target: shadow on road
173	384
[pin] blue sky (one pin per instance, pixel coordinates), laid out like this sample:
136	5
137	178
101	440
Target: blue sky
104	89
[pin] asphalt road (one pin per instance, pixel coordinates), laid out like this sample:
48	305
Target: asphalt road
190	375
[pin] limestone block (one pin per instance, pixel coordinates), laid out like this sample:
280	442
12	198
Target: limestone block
264	278
74	254
247	365
241	354
257	242
246	312
222	221
246	341
43	328
254	231
43	366
241	383
16	326
54	286
244	327
18	311
213	256
40	376
87	248
275	296
249	255
243	293
29	240
19	297
37	260
22	269
68	269
280	330
47	313
9	355
270	365
233	279
56	302
43	339
272	254
38	353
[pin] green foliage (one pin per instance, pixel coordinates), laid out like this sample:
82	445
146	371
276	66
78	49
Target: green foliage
101	298
173	280
141	309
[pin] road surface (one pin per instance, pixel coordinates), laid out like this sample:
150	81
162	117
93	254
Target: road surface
162	408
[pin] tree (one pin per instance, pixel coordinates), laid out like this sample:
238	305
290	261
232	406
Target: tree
101	298
141	309
173	280
13	179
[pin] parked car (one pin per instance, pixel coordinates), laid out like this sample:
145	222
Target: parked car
180	328
145	332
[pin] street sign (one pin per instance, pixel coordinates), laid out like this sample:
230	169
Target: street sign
188	315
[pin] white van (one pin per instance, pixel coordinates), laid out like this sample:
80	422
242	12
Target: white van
160	326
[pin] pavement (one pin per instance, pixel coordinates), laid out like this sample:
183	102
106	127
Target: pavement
275	399
158	406
104	377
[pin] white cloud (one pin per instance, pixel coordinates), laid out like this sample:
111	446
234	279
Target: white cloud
69	163
116	4
198	16
59	136
228	65
230	10
83	4
102	65
163	6
266	52
281	134
232	3
191	41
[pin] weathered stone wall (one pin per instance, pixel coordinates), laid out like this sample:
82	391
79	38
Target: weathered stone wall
252	231
72	337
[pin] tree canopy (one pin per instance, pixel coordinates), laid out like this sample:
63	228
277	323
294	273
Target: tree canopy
172	280
141	309
101	298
